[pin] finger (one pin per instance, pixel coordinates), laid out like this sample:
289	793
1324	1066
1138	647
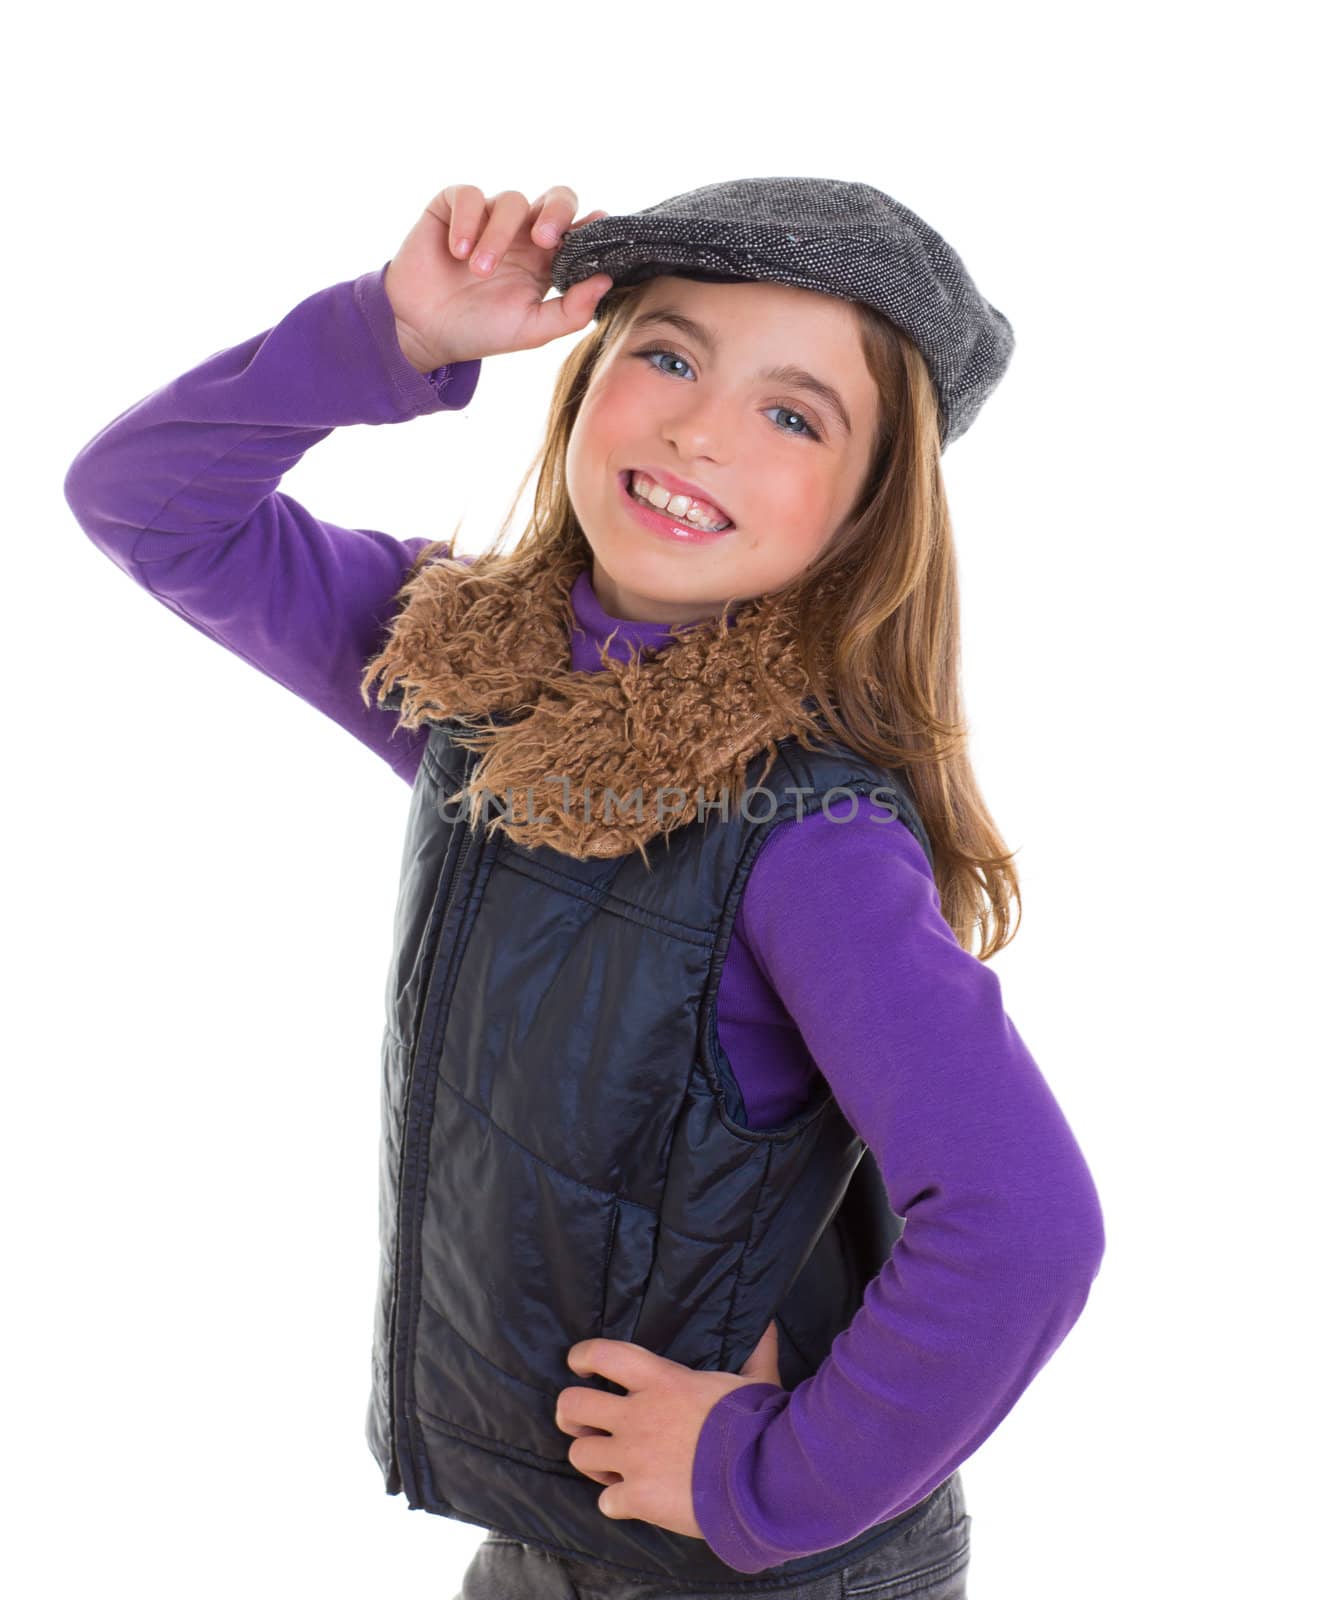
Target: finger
468	211
570	312
766	1354
590	216
629	1365
551	214
583	1411
507	211
595	1458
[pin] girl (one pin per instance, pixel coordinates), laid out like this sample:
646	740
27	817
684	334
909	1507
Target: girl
692	866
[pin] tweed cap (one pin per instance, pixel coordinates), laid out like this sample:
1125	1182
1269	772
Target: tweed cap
841	238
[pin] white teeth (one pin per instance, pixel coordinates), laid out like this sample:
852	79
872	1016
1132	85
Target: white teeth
697	512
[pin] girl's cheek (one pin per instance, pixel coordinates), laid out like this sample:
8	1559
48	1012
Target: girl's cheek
806	521
615	411
796	498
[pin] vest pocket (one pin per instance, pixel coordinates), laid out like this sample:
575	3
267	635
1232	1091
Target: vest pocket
629	1256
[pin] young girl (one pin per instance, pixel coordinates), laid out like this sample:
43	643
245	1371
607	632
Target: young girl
681	988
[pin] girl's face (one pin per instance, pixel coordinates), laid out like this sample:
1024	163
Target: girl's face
704	402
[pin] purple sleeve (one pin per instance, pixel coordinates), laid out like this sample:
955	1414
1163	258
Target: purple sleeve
1004	1233
181	492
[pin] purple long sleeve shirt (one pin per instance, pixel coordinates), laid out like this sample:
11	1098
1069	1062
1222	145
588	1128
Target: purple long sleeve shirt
1004	1230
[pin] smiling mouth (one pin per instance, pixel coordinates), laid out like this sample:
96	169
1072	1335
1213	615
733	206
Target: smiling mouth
659	525
680	519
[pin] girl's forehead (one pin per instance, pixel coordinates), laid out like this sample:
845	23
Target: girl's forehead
744	303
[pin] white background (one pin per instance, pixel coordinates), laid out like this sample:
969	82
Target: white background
198	945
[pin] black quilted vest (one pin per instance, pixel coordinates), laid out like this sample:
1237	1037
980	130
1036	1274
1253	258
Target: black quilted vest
565	1156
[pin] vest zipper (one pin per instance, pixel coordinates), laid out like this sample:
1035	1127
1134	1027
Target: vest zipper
398	1421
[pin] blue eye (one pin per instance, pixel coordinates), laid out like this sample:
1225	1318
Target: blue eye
807	431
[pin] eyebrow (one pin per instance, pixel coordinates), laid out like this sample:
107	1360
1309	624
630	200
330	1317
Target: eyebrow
799	377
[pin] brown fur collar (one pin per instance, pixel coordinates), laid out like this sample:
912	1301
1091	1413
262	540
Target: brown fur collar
493	638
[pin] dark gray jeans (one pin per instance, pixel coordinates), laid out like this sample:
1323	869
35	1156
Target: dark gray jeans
926	1560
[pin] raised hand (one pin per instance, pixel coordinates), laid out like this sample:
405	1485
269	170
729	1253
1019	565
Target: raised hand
470	277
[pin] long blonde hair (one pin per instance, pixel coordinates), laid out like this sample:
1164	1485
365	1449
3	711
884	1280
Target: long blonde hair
891	691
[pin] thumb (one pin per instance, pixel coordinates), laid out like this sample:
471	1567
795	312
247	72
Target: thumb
762	1366
570	312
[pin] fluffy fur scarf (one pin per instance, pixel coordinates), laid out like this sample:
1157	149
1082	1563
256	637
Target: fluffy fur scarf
593	764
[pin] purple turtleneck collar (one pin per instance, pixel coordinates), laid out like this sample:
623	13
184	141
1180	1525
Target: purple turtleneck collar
594	625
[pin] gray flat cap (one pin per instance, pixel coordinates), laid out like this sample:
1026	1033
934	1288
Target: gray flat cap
840	238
